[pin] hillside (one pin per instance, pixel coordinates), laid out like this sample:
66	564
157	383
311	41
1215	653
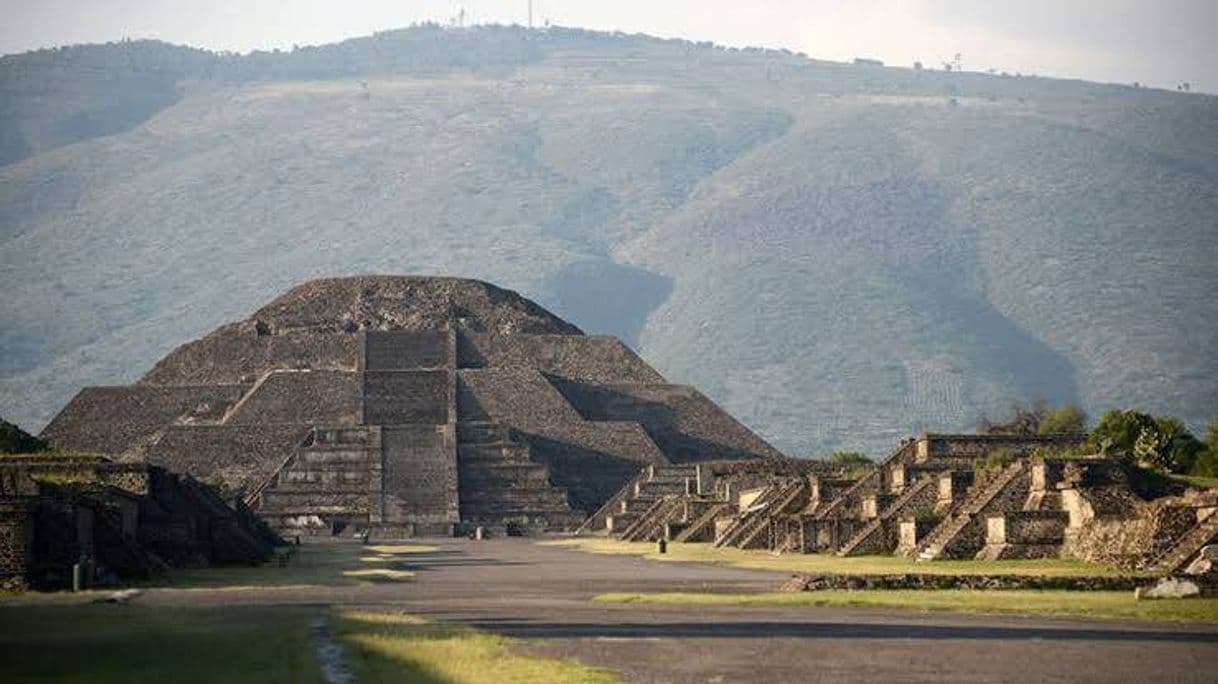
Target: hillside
838	255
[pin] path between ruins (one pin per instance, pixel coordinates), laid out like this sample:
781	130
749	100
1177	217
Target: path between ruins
541	595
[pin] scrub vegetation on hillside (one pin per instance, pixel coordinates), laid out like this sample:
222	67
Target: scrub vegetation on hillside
840	255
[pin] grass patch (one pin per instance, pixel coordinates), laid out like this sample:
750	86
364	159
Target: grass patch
826	564
1090	604
395	647
392	549
379	559
133	643
379	574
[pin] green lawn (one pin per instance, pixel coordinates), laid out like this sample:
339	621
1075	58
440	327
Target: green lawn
813	563
396	647
1090	604
134	643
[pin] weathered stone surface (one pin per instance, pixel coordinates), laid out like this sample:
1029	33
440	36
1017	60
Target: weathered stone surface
1201	566
408	403
1169	588
801	582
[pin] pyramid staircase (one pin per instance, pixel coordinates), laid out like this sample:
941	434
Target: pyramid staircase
875	536
651	524
327	475
951	538
1178	555
702	527
634	502
747	528
500	483
873	481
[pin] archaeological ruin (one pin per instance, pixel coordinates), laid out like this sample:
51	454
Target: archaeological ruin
404	406
986	497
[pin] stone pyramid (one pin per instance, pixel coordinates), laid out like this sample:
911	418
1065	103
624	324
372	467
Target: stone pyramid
408	404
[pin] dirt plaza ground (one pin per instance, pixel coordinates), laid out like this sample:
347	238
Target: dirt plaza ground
540	596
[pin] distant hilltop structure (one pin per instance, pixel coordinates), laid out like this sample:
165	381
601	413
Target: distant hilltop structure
410	405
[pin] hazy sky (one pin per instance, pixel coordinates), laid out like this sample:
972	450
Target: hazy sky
1157	42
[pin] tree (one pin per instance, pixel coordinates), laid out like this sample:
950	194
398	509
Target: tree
1117	431
1023	421
1162	442
1067	419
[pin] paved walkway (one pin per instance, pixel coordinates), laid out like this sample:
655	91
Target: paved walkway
541	593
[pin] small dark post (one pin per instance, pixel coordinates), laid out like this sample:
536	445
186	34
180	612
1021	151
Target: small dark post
663	545
77	572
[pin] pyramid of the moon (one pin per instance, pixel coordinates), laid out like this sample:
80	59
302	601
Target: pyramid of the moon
405	403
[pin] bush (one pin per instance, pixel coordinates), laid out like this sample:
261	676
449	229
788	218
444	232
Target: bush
850	458
994	460
851	463
1068	419
1205	464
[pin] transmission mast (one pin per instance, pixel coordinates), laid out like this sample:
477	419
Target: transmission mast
530	13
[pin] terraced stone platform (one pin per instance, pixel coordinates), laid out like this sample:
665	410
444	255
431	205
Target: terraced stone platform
409	404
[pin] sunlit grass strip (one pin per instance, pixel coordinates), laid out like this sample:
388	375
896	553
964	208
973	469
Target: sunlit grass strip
404	648
379	573
1090	604
816	563
379	559
400	548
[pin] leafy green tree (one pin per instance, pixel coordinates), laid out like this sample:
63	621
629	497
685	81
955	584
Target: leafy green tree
1159	442
1067	419
1117	431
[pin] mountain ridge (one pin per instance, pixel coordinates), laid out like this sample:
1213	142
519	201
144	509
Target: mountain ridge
839	255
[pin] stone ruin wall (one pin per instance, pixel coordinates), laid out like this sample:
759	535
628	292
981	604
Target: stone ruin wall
238	354
575	357
111	420
237	459
302	397
685	424
16	540
1025	534
946	446
1125	542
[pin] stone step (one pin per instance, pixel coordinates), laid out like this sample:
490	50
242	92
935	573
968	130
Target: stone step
638	504
514	498
617	523
505	472
661	487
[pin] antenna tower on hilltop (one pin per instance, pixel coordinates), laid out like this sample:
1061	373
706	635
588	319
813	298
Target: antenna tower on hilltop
530	13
